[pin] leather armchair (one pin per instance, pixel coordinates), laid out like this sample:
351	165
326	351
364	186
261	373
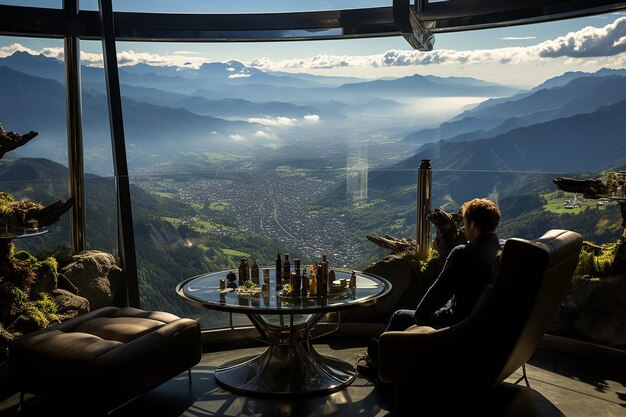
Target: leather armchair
500	334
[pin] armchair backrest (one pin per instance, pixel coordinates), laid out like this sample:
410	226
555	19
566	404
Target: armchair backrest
530	284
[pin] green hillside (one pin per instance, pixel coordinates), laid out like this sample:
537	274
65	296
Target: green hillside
170	246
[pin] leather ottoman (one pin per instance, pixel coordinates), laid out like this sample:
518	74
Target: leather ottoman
105	357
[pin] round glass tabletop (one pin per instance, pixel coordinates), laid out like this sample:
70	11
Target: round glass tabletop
204	290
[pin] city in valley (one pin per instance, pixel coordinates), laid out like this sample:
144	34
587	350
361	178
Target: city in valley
271	204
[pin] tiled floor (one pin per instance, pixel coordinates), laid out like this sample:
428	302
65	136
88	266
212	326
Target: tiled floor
561	385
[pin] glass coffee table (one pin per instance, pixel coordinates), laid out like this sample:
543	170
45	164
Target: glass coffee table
290	365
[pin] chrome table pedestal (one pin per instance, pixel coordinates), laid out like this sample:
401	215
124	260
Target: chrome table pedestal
290	365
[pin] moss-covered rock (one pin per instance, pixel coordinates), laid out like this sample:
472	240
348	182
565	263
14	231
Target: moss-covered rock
69	305
97	277
26	301
596	260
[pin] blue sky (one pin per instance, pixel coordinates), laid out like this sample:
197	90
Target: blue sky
520	55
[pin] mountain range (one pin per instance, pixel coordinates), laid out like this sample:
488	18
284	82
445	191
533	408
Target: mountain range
569	95
233	79
585	142
221	106
34	103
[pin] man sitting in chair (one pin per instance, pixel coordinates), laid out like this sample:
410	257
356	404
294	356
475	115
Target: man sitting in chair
466	272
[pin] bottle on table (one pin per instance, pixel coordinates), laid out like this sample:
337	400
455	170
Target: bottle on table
255	273
353	280
313	283
297	279
322	285
286	269
305	283
242	270
279	275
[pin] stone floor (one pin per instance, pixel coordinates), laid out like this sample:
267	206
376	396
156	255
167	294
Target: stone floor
561	385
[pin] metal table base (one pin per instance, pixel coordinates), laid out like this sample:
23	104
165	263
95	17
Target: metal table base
289	366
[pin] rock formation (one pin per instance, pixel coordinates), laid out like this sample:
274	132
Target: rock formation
96	276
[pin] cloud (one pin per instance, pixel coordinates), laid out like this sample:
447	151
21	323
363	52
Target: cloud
518	38
260	134
237	138
274	121
609	40
282	121
606	41
15	47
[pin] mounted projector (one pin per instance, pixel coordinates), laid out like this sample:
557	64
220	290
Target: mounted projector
407	19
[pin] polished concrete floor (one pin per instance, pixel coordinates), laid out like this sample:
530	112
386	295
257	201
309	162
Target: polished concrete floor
561	385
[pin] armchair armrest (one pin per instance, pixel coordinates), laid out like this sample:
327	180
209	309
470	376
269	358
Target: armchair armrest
404	355
427	353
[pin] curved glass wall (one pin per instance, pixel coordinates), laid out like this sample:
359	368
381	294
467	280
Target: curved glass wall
306	148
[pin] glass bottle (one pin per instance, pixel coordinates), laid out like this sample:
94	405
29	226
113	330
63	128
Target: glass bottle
255	273
279	268
286	268
322	285
242	271
353	280
305	283
313	284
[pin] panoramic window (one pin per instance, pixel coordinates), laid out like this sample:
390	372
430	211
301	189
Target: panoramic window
100	216
33	100
34	223
310	148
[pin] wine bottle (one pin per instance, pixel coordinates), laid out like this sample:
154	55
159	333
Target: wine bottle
286	269
279	275
255	273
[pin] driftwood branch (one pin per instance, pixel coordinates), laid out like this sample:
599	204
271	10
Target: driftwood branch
588	188
394	244
11	140
45	216
50	214
449	234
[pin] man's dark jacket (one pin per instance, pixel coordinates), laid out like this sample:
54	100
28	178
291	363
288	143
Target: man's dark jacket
465	274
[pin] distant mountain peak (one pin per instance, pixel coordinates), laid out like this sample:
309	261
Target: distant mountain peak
236	64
